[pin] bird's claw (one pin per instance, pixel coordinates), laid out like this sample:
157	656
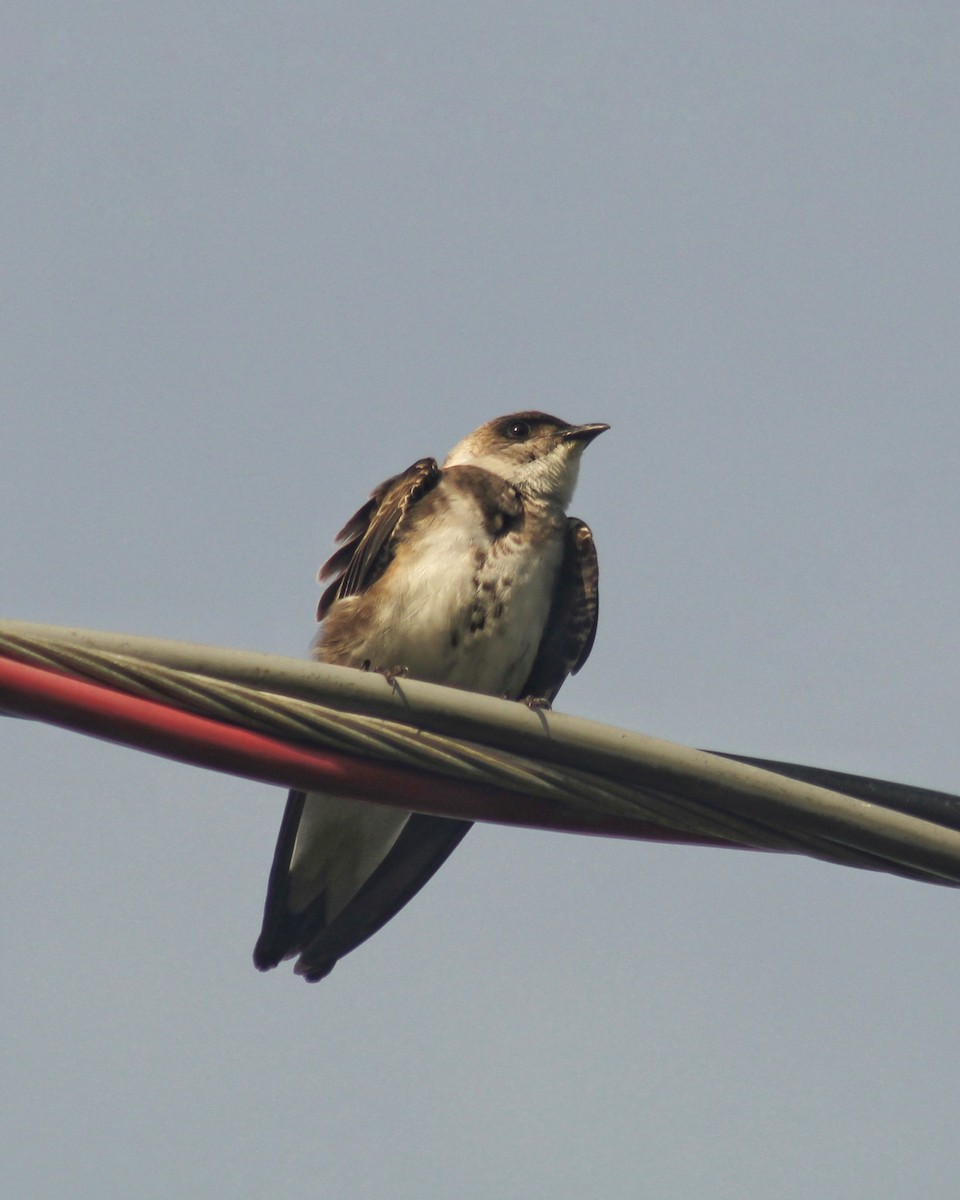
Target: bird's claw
390	674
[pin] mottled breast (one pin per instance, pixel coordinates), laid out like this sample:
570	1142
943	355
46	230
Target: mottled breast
467	591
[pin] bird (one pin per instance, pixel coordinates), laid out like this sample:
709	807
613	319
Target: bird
468	574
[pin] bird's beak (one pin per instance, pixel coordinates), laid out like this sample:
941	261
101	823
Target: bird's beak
584	433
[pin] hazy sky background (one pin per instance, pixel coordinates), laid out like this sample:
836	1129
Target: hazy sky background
256	257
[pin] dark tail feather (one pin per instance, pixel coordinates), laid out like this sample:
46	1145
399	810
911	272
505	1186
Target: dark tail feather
421	849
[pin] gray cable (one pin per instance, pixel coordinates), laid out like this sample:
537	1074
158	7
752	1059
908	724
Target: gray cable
594	770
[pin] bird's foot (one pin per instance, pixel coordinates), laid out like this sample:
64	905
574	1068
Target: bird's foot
390	674
537	703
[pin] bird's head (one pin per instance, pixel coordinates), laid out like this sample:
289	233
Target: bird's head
538	454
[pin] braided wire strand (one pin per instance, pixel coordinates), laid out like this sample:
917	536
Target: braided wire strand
778	816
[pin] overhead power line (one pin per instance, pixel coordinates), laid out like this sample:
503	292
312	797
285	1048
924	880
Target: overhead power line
453	753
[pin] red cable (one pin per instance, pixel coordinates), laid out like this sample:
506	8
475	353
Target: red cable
147	725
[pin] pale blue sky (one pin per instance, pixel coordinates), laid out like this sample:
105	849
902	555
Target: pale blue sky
256	258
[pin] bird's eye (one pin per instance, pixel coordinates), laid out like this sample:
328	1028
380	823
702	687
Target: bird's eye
518	430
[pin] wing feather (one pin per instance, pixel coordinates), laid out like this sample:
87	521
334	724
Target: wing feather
366	537
572	624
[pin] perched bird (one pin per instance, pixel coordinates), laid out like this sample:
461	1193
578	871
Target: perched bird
470	575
